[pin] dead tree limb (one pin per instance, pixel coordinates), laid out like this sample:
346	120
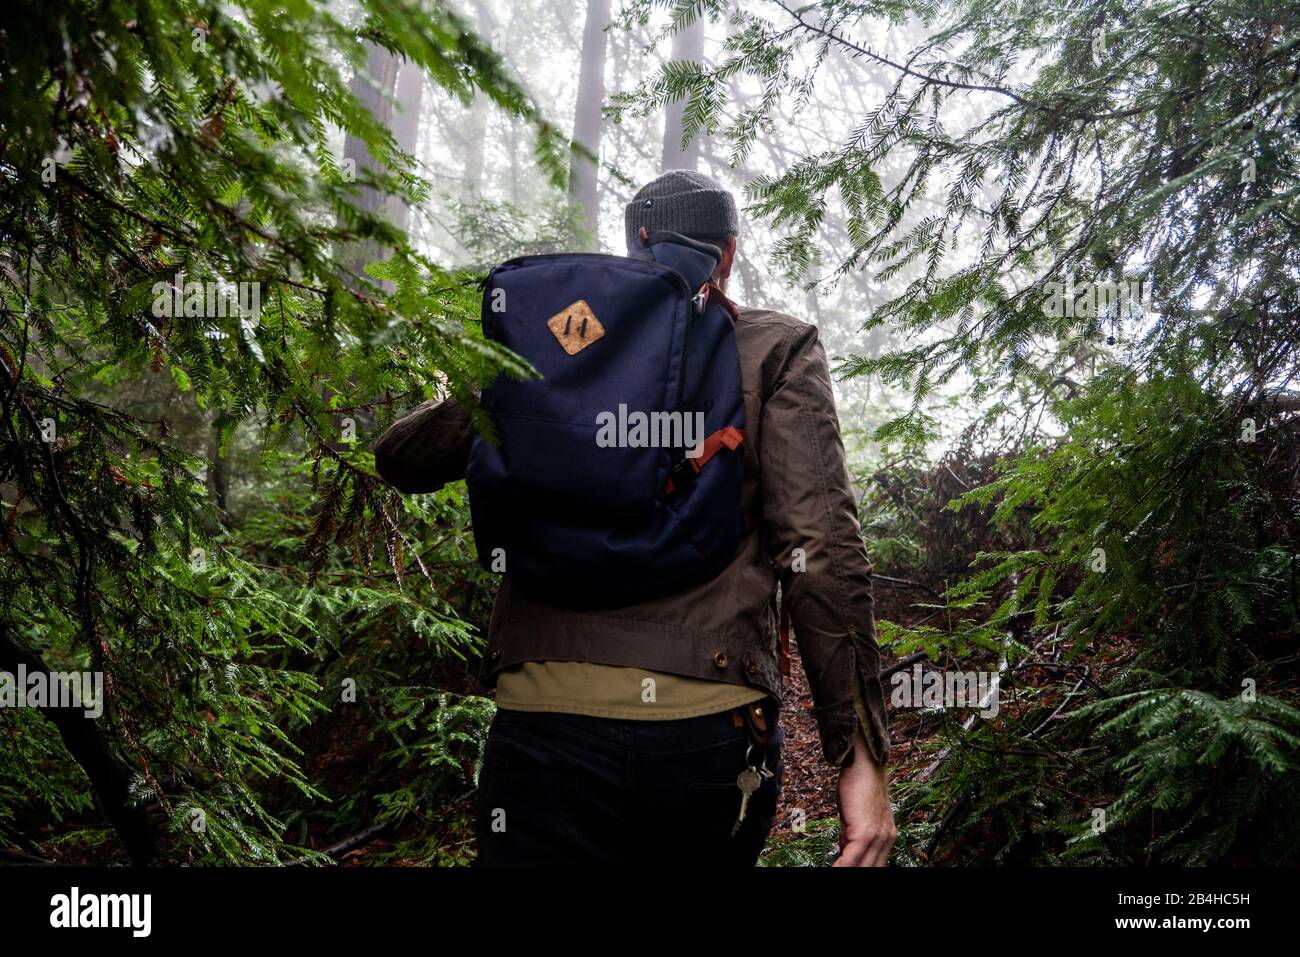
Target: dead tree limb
109	779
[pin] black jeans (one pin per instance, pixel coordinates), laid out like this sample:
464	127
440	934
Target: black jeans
573	790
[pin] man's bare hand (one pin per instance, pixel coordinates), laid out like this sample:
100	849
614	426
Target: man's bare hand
867	830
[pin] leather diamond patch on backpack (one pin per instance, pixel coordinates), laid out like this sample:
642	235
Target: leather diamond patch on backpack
575	327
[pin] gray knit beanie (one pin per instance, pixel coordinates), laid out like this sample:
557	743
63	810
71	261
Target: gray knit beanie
685	202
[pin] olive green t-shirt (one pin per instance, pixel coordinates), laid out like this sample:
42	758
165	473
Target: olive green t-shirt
613	691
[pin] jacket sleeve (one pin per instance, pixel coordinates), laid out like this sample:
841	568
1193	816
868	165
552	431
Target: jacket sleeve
426	448
811	515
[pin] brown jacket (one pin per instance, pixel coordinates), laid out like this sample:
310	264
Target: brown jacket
725	629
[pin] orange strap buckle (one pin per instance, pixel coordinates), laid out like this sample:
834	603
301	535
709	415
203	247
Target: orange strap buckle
728	437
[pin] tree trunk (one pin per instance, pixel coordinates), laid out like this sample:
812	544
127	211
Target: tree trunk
406	129
688	44
218	473
514	160
588	120
374	88
476	132
476	138
81	735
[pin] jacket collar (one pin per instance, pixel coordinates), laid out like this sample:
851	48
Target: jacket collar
717	295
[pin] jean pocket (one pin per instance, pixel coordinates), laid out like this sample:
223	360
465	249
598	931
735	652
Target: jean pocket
712	816
726	778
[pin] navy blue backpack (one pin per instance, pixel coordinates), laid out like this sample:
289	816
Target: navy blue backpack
616	477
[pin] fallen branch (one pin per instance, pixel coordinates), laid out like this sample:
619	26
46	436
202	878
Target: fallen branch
889	580
338	850
22	857
969	723
901	664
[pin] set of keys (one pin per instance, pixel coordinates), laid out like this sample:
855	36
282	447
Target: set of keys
749	781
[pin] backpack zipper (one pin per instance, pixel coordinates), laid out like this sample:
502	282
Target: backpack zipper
691	312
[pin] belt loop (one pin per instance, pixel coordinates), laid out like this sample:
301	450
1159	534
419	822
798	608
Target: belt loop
756	722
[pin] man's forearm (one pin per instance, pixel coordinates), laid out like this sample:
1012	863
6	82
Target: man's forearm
867	831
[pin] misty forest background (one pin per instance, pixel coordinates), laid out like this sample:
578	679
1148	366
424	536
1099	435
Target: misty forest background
1100	506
